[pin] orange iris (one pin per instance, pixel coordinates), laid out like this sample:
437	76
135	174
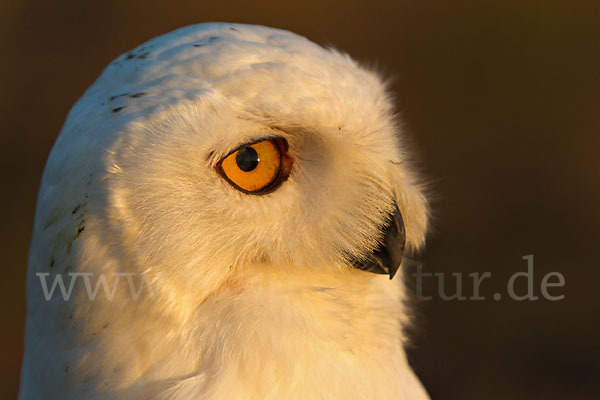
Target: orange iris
256	167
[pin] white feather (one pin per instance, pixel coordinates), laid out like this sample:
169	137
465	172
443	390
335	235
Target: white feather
251	296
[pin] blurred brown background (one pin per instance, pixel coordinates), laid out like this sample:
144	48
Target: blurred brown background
501	99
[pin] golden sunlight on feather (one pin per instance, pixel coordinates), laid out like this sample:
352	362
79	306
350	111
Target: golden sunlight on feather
219	219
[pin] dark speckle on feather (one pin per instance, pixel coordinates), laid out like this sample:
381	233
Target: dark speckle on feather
51	261
141	53
233	29
204	42
137	95
111	98
117	109
80	228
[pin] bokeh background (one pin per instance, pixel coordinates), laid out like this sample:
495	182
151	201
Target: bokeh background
501	101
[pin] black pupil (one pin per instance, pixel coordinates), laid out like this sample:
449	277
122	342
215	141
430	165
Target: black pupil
247	159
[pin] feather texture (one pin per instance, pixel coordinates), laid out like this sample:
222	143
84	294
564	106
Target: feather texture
236	296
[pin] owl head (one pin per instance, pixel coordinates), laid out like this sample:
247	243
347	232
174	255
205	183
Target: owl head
227	148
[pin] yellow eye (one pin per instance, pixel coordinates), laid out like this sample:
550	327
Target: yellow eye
257	168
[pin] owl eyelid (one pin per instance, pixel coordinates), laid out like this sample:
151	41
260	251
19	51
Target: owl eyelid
253	142
211	154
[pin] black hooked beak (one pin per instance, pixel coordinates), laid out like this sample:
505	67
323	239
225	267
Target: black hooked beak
387	258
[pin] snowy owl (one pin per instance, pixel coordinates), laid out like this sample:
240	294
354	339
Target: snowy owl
220	218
